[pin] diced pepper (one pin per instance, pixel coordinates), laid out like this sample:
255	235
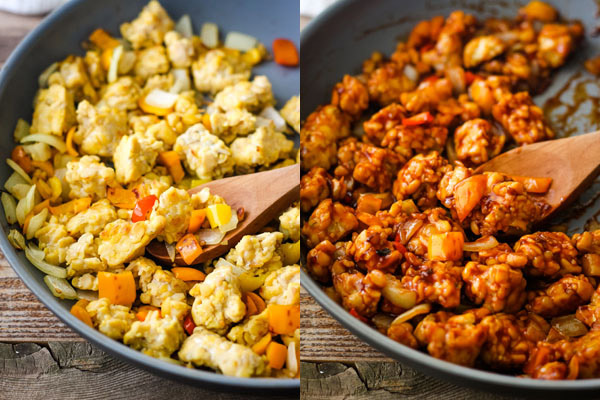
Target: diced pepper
188	324
45	166
80	312
196	220
171	160
105	58
446	246
218	215
368	204
468	193
103	39
470	77
409	206
285	52
358	316
142	208
117	288
534	185
418	119
44	189
284	319
69	141
40	206
143	312
19	156
250	306
368	219
188	274
121	198
189	248
258	302
276	354
260	347
150	109
72	207
206	121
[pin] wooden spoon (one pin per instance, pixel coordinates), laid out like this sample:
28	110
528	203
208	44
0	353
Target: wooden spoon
572	163
263	195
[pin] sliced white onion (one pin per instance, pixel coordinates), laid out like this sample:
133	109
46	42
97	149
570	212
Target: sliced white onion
413	312
87	295
52	270
182	80
209	34
171	251
272	114
10	207
409	229
43	78
240	41
21	130
60	287
292	361
411	73
231	225
210	236
484	243
36	252
52	140
236	270
184	26
261	121
25	205
161	99
36	222
569	325
60	173
14	179
20	190
17	168
113	69
16	238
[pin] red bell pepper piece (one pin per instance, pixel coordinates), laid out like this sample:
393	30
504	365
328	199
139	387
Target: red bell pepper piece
399	246
358	316
419	119
188	324
143	207
470	77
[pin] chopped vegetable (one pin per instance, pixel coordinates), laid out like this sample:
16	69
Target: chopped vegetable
19	170
143	312
534	185
89	295
291	361
218	215
189	325
16	239
72	207
418	119
446	246
369	204
117	288
143	207
591	264
184	26
468	193
182	80
276	354
240	41
189	248
209	34
103	39
113	68
80	312
210	236
260	347
45	166
231	225
569	325
105	58
284	319
255	55
35	223
171	251
70	149
483	243
285	52
368	219
19	156
258	302
51	140
45	75
158	102
250	306
196	220
39	263
413	312
188	274
25	205
10	207
43	189
121	198
171	160
291	253
272	114
60	287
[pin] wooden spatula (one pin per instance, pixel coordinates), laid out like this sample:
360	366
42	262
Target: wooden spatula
572	163
263	195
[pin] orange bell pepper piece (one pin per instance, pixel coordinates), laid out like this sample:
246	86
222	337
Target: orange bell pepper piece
117	288
103	39
188	274
285	52
170	159
142	208
19	156
72	207
446	246
69	141
143	312
80	312
45	166
284	319
121	198
260	347
196	221
250	306
276	354
258	302
189	248
468	193
369	204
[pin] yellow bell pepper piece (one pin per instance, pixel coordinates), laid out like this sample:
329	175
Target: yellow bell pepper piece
218	215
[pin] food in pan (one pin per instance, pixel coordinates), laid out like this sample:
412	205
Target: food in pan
406	235
117	137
